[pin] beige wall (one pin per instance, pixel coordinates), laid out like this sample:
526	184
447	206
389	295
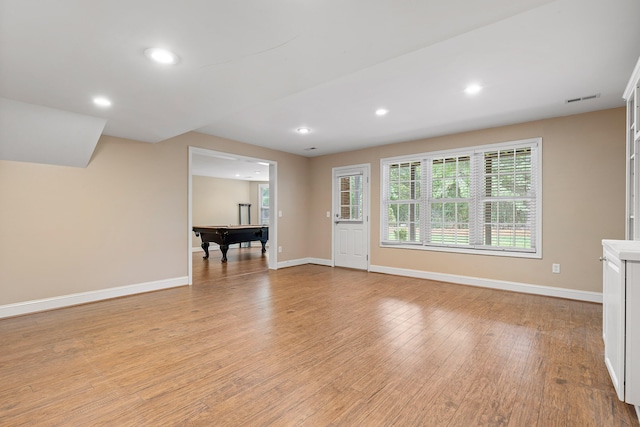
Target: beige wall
123	219
214	201
120	221
583	201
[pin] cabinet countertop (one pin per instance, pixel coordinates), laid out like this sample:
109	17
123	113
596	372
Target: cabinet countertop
628	250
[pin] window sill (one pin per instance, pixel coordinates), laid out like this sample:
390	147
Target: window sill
489	252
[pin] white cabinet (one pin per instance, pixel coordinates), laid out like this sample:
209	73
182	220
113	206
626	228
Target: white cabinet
621	270
632	96
621	316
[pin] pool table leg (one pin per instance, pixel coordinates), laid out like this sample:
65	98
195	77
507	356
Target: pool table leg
224	249
205	247
264	248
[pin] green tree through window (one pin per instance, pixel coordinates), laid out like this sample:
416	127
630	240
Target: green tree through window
450	199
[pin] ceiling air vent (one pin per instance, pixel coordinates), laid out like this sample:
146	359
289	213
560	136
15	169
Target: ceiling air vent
584	98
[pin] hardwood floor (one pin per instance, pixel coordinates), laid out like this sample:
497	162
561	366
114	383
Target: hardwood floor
312	346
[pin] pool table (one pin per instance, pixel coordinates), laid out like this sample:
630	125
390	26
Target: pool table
229	234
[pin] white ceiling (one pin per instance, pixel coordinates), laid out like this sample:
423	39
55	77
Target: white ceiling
229	167
254	71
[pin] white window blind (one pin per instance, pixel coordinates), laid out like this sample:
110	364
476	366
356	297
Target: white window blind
480	199
263	203
402	199
507	199
449	203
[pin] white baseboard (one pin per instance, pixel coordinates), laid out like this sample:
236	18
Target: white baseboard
320	261
292	263
303	261
493	284
34	306
465	280
637	411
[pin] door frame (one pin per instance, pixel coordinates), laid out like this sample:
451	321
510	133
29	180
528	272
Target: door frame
273	194
366	167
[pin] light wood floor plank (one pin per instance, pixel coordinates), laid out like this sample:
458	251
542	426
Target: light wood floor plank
309	346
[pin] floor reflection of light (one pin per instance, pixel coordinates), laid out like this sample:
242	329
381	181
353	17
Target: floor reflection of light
406	327
263	310
402	324
263	292
394	309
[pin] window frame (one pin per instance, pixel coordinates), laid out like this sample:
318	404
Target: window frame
409	202
355	190
261	207
476	187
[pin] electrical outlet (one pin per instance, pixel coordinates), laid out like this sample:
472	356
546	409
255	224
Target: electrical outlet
328	214
279	248
555	268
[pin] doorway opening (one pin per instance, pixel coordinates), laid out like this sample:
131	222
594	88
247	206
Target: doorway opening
241	176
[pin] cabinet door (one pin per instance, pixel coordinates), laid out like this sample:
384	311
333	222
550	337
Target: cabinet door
613	295
632	333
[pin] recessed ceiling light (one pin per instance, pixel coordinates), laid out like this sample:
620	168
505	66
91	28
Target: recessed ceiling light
472	89
161	56
101	101
381	111
303	130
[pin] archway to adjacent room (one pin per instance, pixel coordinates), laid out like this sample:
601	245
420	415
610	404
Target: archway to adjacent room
224	162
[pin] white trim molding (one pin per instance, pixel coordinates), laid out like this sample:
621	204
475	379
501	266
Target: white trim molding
34	306
292	263
303	261
525	288
320	261
631	86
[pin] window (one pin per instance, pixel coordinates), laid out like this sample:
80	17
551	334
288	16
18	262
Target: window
449	200
350	197
263	203
481	199
403	208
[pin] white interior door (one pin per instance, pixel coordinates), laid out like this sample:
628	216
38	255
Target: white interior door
351	217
